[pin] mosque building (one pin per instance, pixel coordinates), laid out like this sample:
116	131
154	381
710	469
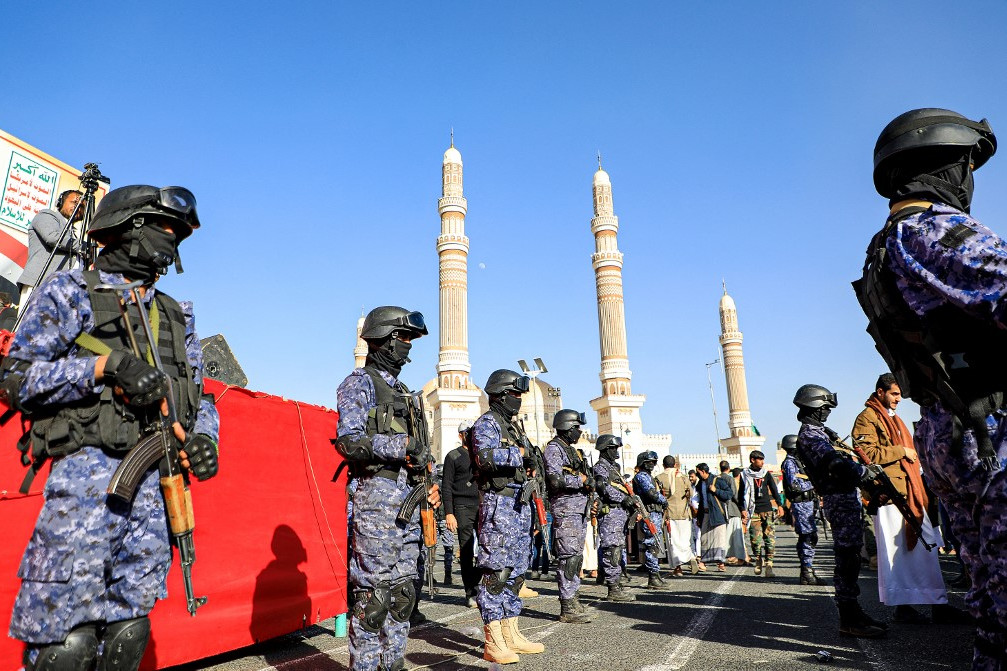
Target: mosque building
618	408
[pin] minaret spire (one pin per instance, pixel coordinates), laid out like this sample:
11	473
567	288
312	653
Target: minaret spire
743	438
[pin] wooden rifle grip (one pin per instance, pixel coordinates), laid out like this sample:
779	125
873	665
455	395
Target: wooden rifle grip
429	527
540	511
178	504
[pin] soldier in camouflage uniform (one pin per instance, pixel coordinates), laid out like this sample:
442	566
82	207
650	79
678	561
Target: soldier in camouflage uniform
569	485
803	508
612	516
96	564
385	450
836	477
933	289
646	488
499	445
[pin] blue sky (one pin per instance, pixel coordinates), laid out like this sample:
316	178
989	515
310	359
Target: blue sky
738	137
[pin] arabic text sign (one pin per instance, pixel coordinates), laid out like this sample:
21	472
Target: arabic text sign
28	186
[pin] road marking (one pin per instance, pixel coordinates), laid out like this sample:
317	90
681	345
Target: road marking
682	650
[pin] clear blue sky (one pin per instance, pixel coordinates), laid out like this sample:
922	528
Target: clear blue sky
738	137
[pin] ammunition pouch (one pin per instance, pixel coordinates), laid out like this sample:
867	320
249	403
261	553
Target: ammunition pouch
801	497
403	600
372	606
655	508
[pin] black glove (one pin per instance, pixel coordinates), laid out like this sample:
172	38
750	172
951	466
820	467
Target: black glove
141	384
202	454
418	453
628	504
872	473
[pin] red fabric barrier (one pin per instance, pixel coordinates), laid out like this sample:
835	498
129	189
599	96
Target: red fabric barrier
270	532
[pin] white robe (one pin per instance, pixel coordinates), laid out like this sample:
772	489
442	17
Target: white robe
680	542
590	551
906	577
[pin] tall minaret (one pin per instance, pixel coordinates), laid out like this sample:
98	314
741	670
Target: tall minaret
743	438
618	409
454	398
360	351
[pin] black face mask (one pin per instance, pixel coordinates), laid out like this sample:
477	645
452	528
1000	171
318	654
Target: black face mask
649	466
391	356
611	454
506	405
141	253
815	417
946	179
570	436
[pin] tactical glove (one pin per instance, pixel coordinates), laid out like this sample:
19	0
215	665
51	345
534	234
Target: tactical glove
628	504
202	454
872	473
141	384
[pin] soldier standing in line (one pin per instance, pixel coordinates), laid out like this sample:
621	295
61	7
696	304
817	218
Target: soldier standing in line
933	290
646	488
804	509
499	446
386	451
612	516
95	565
836	477
569	485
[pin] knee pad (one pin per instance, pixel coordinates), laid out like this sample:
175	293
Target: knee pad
615	555
125	642
516	587
77	653
495	581
371	606
571	566
403	599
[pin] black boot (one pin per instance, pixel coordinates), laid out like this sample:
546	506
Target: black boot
852	624
616	592
818	579
581	608
569	614
625	580
655	583
909	615
868	619
809	577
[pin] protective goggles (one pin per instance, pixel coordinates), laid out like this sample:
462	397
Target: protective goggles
581	419
521	384
412	321
179	201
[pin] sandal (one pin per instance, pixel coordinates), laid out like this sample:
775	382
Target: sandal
702	566
721	568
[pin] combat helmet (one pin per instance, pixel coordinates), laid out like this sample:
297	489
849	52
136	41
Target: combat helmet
644	457
503	380
383	321
122	206
814	396
568	419
929	127
607	441
789	443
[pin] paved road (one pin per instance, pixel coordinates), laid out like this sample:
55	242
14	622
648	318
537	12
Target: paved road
733	620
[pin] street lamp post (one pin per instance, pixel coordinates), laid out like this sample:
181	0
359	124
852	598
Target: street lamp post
716	424
623	431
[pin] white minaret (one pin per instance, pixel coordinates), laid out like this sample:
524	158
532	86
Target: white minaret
618	409
360	351
743	439
454	398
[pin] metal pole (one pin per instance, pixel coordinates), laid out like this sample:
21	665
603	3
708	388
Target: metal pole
716	424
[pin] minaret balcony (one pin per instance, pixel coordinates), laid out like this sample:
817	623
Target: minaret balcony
452	204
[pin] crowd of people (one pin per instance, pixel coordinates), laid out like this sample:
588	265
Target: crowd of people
933	288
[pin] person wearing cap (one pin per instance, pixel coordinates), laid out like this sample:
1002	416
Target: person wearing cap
387	453
760	503
44	240
95	564
460	497
933	290
566	474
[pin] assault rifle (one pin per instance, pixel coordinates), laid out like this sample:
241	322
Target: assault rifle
817	500
533	489
884	489
160	447
418	495
638	509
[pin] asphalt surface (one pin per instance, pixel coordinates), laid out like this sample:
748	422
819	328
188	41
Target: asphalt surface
733	620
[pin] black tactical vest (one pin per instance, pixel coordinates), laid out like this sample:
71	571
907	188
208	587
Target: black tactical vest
392	414
503	476
104	420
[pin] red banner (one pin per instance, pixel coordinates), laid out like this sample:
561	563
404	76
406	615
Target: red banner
270	532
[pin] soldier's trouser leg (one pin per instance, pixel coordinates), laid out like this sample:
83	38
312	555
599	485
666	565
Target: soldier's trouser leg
124	644
975	500
755	536
568	533
806	548
91	558
844	513
504	553
382	571
769	534
649	544
610	560
77	653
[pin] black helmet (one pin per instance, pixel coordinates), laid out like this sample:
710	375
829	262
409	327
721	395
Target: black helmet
644	457
503	380
607	441
929	127
789	443
173	203
814	396
567	419
383	321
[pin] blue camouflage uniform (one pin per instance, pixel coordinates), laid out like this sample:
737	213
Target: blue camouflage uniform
803	512
504	523
971	276
611	520
648	491
385	552
91	557
568	521
843	510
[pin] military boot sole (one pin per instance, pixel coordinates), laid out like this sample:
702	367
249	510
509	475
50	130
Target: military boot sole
862	631
574	618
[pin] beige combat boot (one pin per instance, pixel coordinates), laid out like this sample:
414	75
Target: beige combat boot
516	640
769	569
758	566
526	592
496	649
